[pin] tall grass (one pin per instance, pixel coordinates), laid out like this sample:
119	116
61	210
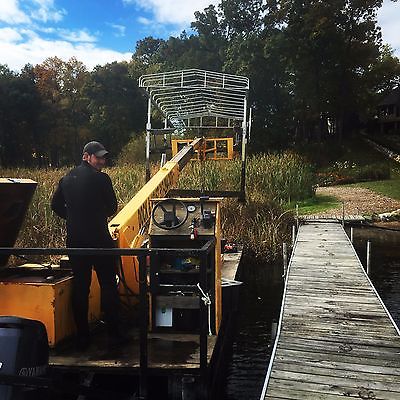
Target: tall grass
42	228
261	224
281	178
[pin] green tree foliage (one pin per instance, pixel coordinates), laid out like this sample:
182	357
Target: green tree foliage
115	105
331	49
19	101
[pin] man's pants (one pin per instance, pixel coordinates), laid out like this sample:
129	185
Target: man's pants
105	267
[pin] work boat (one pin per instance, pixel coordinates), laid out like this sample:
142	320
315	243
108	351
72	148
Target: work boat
177	283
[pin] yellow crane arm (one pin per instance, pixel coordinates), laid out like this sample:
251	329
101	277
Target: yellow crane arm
126	226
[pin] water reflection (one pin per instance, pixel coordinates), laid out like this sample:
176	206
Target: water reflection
259	306
385	264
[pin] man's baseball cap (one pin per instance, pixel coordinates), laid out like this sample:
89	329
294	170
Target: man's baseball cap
95	148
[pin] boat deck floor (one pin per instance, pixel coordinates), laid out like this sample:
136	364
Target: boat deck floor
165	351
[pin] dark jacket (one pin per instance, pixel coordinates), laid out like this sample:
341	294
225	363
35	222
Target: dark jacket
85	198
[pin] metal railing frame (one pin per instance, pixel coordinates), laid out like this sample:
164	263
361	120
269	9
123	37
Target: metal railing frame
202	253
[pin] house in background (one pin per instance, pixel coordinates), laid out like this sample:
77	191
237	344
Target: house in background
389	113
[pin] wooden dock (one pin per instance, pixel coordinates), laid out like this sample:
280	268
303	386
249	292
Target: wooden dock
335	337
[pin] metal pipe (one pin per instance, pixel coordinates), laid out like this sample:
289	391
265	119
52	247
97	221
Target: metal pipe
148	129
285	259
368	257
143	310
250	122
163	159
244	139
352	235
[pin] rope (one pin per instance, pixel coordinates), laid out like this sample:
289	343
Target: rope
207	301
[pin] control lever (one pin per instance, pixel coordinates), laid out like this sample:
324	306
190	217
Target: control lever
206	215
193	229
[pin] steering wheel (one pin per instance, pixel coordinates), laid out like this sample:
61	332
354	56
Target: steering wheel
170	217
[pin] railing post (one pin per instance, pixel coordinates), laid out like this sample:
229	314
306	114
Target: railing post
203	325
143	312
352	235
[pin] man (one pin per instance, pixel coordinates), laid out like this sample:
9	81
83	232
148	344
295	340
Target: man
85	198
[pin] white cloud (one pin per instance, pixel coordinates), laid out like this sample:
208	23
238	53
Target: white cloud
144	21
76	36
179	12
45	11
11	13
388	19
35	50
120	29
9	35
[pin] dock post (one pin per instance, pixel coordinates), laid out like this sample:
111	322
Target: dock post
293	235
368	257
343	214
274	330
285	259
351	234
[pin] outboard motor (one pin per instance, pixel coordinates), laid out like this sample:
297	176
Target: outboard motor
24	351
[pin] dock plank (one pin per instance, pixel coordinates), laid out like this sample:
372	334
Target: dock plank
336	338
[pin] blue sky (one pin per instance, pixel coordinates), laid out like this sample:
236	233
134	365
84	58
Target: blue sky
101	31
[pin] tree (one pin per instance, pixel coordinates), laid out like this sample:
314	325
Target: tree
64	115
19	105
116	107
329	48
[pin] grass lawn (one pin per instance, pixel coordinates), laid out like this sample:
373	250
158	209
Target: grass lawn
315	205
355	151
390	187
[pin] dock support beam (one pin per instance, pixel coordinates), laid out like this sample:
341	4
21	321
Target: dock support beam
368	257
293	235
285	259
343	214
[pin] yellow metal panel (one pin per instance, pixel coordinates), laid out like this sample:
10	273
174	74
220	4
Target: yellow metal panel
174	144
230	148
29	301
49	303
210	146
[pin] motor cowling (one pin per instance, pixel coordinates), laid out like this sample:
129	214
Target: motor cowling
24	351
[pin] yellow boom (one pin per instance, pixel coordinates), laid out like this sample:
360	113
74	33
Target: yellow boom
127	227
